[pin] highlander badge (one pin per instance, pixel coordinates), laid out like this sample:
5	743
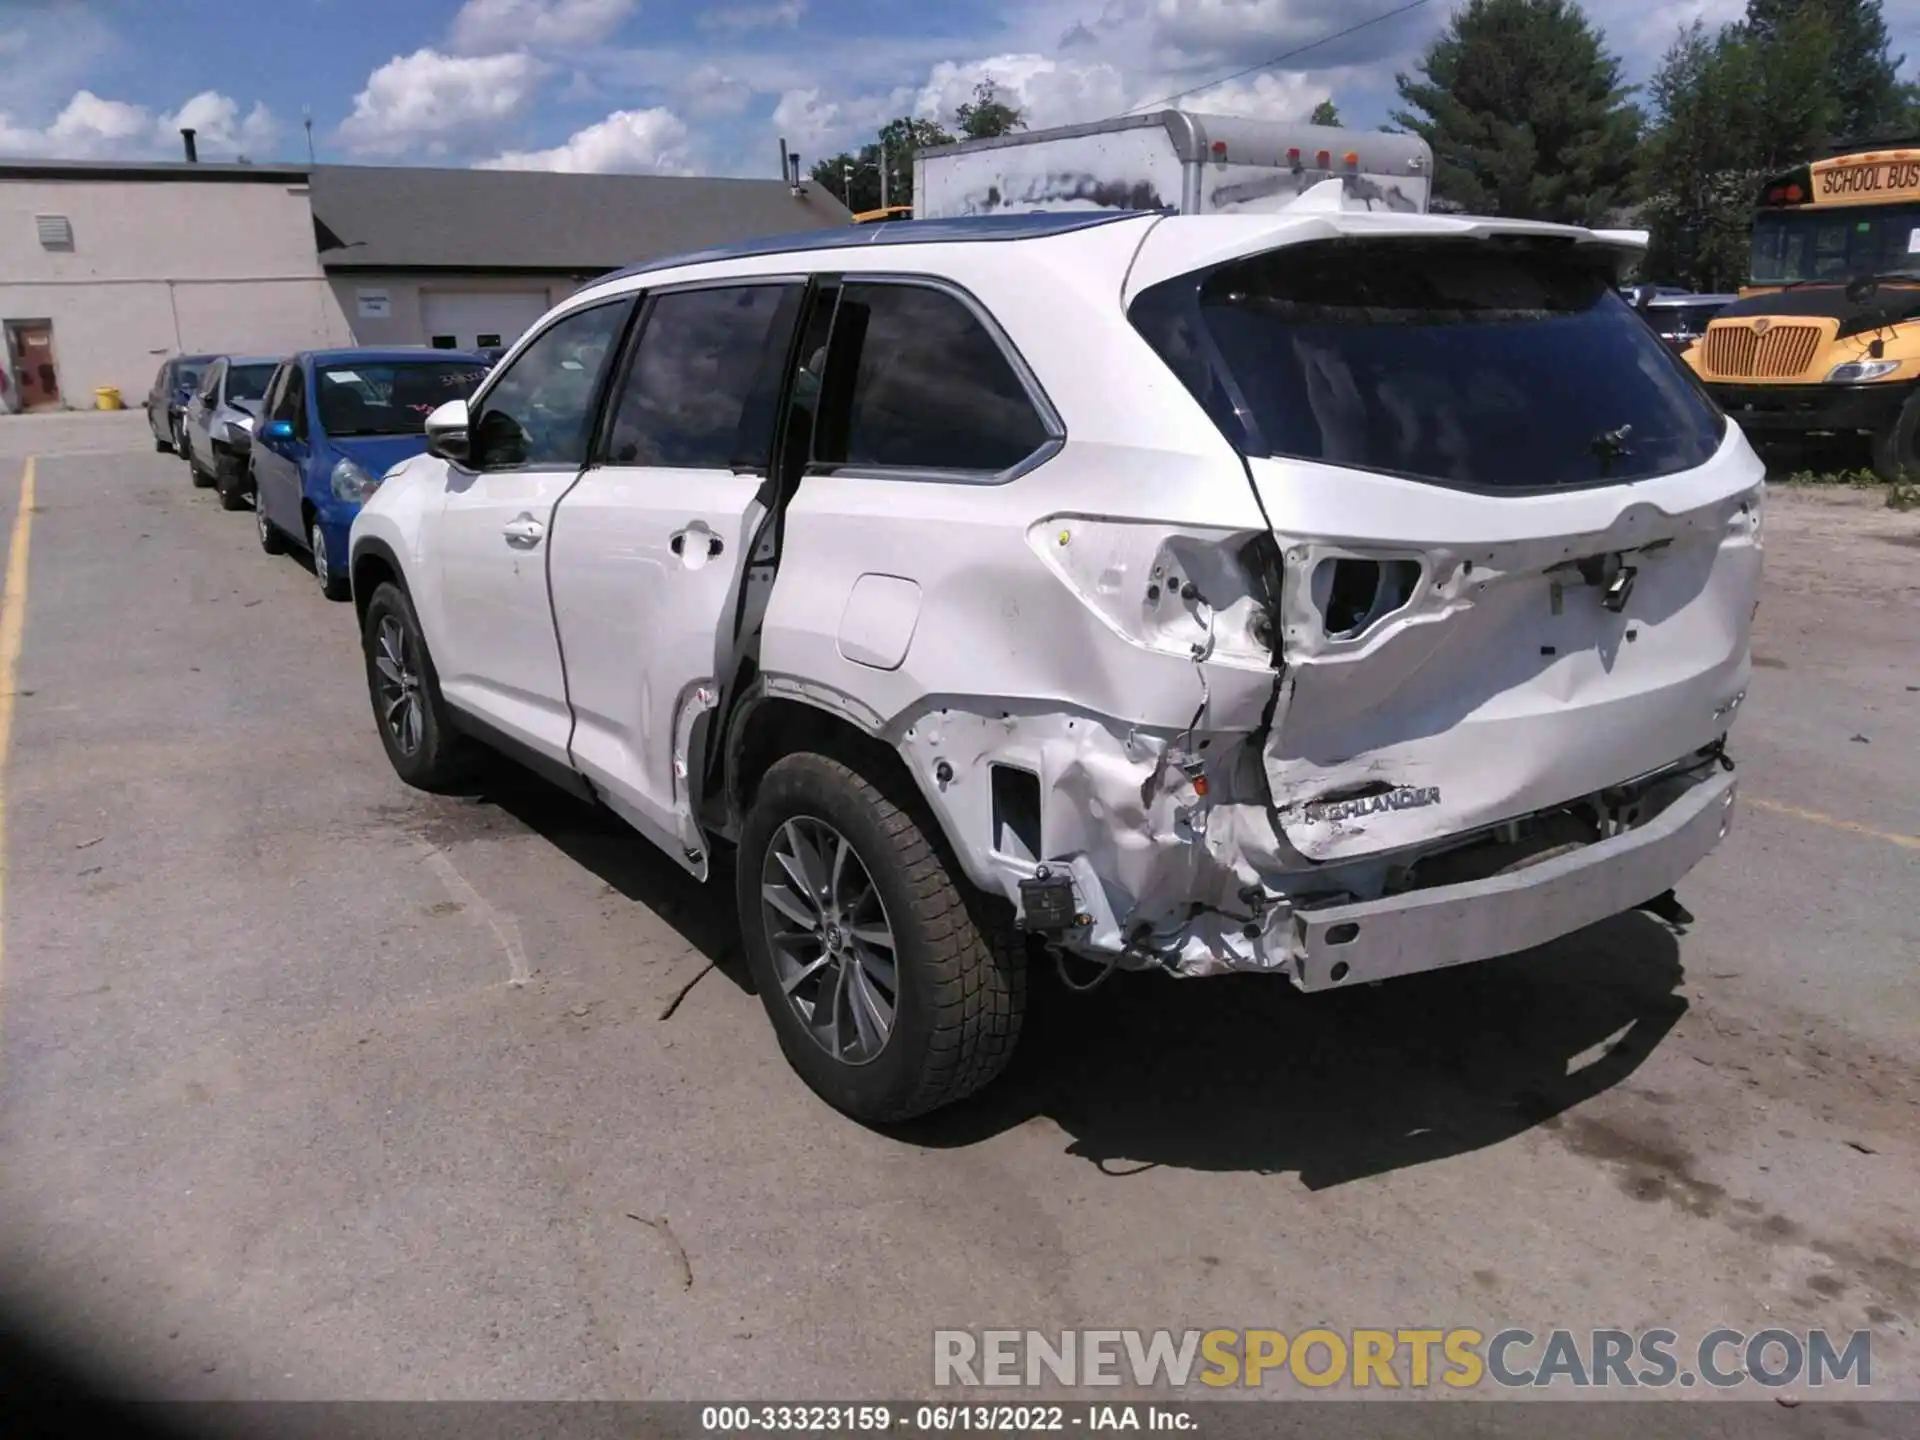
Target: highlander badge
1407	797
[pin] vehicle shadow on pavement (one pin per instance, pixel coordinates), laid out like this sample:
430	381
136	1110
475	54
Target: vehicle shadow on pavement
599	841
1242	1072
1245	1073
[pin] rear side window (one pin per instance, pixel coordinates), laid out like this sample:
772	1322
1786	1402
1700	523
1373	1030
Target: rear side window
925	387
702	389
1465	363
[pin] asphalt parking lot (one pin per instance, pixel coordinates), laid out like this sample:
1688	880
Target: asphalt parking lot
318	1087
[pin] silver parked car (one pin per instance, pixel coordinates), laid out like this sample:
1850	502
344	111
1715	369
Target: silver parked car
218	421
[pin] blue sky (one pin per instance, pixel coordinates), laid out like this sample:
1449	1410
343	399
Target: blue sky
703	86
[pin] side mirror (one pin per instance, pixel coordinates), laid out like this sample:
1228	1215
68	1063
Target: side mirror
277	430
1643	297
447	431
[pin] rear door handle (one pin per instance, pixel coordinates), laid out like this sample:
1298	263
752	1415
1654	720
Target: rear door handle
524	531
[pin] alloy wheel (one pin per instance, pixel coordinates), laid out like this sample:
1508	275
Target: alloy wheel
261	523
398	686
317	542
833	947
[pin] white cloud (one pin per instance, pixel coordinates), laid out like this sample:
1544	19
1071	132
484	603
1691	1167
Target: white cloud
89	127
220	129
487	26
709	92
654	142
1046	91
1269	95
755	17
439	103
815	125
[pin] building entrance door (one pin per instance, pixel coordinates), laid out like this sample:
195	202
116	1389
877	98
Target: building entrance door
35	379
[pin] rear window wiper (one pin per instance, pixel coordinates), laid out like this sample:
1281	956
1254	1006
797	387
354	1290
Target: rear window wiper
1611	445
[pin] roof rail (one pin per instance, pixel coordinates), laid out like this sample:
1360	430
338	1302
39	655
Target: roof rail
1033	226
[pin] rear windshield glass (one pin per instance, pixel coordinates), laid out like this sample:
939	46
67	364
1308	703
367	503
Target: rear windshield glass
1485	367
391	397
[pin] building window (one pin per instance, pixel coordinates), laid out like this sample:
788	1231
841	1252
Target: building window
56	232
443	342
486	342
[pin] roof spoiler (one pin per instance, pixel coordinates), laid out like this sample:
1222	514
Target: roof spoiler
1626	239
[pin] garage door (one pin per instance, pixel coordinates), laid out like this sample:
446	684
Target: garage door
471	319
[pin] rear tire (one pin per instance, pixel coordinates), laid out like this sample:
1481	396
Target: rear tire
425	749
271	540
1896	449
958	996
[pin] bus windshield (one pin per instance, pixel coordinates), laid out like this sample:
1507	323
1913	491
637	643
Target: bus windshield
1793	246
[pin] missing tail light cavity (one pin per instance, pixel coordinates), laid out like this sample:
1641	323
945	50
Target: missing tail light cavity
1353	594
1016	811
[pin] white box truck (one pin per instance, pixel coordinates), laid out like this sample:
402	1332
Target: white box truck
1171	160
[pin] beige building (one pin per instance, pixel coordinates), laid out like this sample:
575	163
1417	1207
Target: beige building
106	268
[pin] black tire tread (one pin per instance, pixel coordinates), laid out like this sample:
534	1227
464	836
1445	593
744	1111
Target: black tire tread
979	988
455	755
1896	449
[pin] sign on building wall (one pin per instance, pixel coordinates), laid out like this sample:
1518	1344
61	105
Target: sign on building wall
374	304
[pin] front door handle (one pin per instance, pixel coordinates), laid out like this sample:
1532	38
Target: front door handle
524	531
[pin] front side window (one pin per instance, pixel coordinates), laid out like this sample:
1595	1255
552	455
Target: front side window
702	388
1488	367
392	397
248	382
540	410
930	387
210	382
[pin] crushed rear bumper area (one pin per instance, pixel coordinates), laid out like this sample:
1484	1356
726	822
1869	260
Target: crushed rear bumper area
1337	946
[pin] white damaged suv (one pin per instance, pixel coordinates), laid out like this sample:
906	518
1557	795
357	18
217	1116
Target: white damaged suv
1328	594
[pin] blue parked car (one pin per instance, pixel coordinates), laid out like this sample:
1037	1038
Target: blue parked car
333	423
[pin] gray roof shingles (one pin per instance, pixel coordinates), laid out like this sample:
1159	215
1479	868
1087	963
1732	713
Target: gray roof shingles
392	217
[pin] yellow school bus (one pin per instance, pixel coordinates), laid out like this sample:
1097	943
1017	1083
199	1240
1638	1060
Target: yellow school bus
1825	338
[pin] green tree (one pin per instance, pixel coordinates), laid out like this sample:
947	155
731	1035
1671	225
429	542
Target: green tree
852	175
1526	113
1863	75
1729	110
1324	113
987	115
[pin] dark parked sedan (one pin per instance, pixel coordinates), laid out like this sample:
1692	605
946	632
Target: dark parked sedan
172	388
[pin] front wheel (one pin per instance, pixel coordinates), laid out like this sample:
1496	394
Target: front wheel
421	742
887	993
201	478
333	585
1896	449
230	482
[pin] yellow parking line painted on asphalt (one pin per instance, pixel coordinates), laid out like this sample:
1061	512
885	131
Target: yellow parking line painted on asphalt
13	625
1814	817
